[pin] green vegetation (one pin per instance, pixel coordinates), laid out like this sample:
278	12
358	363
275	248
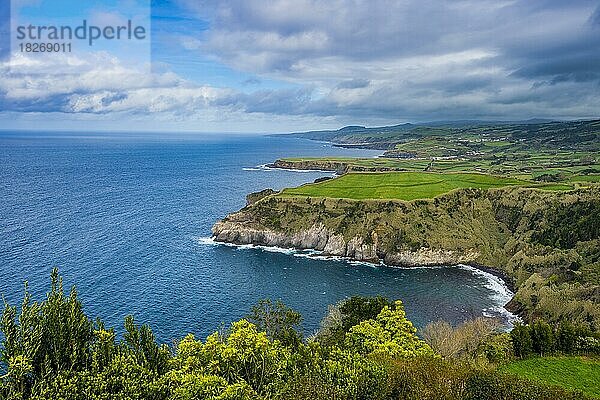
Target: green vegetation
367	349
577	373
567	150
541	338
406	185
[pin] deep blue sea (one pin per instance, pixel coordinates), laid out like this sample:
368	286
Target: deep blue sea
126	218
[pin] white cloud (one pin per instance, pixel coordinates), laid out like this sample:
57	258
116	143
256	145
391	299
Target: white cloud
349	61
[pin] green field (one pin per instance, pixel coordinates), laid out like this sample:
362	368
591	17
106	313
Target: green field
405	185
569	372
550	152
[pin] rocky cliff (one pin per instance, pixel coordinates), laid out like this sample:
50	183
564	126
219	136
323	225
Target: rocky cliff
550	235
339	167
487	227
318	237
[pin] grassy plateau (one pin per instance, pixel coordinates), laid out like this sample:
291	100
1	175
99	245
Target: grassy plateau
569	372
407	185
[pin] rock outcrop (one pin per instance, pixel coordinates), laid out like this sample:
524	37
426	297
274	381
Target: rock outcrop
525	234
238	231
256	196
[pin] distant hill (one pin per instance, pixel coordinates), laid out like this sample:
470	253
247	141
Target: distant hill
387	137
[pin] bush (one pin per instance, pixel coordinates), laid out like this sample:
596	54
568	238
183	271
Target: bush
427	379
521	339
348	313
498	349
496	386
462	341
542	337
278	321
52	350
389	334
566	337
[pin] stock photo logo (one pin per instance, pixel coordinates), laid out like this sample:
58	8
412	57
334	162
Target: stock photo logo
61	34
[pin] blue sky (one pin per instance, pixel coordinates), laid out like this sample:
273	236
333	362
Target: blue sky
289	65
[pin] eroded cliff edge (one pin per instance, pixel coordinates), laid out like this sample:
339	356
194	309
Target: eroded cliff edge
524	233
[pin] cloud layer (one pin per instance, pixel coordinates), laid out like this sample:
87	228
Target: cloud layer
353	61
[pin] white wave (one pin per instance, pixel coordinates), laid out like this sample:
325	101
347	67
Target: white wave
493	282
501	295
210	241
273	249
265	167
262	167
207	241
319	256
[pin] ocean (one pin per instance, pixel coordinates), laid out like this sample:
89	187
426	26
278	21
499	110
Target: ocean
127	219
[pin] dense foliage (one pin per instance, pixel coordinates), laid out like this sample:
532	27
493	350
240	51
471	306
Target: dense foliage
541	338
52	350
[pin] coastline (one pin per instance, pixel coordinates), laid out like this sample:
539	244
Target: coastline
499	283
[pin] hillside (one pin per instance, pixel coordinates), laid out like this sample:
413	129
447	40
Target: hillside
550	151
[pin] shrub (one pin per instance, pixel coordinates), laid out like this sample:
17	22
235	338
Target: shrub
462	341
566	337
542	337
348	313
278	321
496	386
521	339
498	348
390	333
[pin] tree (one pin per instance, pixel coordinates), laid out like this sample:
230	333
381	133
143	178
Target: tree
278	321
44	339
140	341
348	313
566	337
542	337
242	355
521	338
390	334
462	341
358	308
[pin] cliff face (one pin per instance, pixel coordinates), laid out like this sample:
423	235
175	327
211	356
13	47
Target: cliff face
550	237
320	238
312	165
488	227
339	167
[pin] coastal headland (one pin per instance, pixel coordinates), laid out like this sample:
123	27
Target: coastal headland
537	224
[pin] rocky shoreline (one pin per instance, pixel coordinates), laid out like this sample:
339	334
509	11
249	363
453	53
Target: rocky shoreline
311	165
503	231
328	244
324	240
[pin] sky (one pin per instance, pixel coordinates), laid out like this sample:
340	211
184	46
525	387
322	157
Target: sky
295	65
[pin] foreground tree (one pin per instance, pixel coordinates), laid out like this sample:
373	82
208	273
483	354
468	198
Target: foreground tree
53	351
44	339
390	334
278	321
